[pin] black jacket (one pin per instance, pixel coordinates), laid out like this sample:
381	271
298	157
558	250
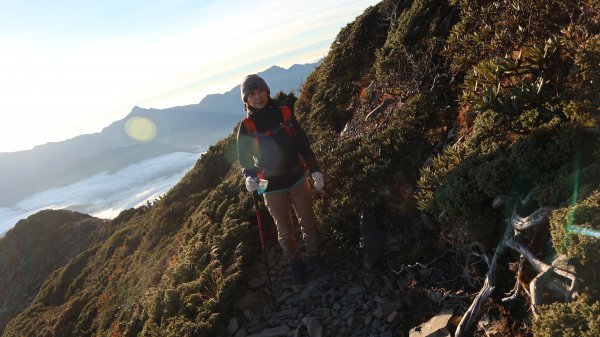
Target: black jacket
278	151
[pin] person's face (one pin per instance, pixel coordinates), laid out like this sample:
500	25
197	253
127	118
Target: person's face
258	98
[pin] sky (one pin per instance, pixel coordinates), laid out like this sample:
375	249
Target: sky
70	67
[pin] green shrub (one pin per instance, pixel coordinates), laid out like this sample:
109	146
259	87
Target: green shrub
576	230
584	89
363	172
408	61
432	176
580	318
326	95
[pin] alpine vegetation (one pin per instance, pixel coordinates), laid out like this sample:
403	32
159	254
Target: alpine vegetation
459	146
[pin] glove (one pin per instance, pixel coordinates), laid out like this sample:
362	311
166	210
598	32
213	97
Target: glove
318	180
251	184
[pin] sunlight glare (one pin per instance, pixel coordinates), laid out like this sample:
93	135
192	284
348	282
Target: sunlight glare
140	128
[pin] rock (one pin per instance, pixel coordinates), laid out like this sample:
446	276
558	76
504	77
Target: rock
386	334
434	296
267	312
299	332
255	326
273	332
283	298
349	313
380	299
337	307
276	321
308	289
369	280
384	309
251	300
241	333
356	290
435	327
393	317
257	282
233	326
315	329
487	325
286	312
248	315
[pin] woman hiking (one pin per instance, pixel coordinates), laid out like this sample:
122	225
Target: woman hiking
269	143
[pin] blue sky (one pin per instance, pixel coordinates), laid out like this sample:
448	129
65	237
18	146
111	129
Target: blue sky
73	67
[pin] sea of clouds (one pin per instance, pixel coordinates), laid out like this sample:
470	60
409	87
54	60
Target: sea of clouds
106	194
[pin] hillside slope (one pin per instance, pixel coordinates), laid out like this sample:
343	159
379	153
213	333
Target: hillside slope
36	247
437	121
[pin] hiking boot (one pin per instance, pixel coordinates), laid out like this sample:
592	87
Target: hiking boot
298	272
320	266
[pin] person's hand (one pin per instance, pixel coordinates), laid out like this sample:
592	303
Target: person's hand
251	184
318	180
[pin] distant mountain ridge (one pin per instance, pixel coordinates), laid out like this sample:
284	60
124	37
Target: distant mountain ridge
181	128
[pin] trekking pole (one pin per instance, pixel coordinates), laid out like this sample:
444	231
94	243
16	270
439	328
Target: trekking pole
262	242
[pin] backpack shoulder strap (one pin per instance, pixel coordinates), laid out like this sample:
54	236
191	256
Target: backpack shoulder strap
286	114
250	126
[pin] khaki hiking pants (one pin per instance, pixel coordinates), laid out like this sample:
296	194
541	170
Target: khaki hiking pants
278	204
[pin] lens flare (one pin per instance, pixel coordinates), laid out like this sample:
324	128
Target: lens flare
570	227
583	231
140	128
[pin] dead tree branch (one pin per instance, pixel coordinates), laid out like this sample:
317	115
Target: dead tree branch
488	287
543	269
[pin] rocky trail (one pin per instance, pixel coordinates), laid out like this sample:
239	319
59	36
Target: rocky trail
351	302
451	294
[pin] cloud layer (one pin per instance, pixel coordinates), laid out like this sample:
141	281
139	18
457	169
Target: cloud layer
105	195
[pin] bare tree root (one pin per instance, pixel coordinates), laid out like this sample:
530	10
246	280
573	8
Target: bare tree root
534	220
518	225
544	270
514	293
489	285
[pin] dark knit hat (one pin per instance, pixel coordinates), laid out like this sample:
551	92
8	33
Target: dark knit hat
253	82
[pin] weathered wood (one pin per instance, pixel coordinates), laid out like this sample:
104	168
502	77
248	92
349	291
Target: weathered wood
486	291
535	219
544	270
514	293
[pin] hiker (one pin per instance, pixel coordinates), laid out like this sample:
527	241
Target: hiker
269	143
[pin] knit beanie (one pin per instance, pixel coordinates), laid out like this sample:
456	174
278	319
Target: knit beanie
253	82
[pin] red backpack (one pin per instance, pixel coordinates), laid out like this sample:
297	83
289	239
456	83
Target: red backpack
286	114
